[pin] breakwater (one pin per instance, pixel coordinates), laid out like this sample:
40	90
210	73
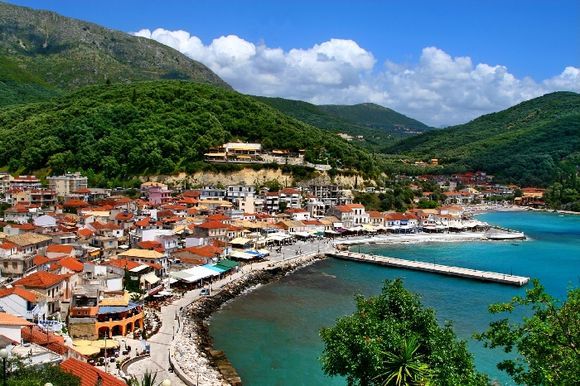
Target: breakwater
467	273
197	361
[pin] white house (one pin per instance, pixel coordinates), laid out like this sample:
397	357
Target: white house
23	303
11	325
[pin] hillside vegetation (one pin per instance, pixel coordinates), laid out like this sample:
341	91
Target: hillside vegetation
154	127
42	53
379	126
527	144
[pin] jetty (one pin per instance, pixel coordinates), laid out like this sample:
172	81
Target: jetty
466	273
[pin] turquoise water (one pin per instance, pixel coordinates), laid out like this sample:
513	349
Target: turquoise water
271	334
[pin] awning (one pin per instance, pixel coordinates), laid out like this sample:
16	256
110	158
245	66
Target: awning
87	350
228	264
240	241
194	274
139	268
216	268
150	278
242	255
302	234
369	228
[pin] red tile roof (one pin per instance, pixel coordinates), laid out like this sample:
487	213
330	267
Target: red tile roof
8	245
40	280
60	248
39	260
19	291
123	263
144	223
149	244
12	320
71	264
212	225
217	217
124	216
90	375
85	232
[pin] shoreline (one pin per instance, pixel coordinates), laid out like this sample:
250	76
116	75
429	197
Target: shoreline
193	355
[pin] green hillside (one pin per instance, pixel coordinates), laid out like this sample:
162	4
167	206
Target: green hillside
378	125
42	53
525	143
154	127
374	116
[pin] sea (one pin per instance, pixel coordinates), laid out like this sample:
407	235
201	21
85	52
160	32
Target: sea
271	335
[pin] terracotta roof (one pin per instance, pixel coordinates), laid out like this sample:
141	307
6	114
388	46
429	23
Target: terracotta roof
26	239
90	375
40	280
100	226
149	244
74	203
39	260
71	263
124	216
19	291
60	248
212	225
85	232
39	336
217	217
204	251
143	223
12	320
8	245
123	263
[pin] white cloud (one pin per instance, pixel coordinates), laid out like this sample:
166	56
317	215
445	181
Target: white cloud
438	90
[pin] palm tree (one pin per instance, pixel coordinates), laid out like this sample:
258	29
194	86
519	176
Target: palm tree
405	367
148	379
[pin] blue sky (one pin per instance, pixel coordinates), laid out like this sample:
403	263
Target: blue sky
408	55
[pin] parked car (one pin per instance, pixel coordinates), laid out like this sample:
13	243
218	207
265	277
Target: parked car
204	292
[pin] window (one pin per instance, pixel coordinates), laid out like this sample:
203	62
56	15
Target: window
14	265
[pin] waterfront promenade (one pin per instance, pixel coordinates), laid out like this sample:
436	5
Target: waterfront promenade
159	360
466	273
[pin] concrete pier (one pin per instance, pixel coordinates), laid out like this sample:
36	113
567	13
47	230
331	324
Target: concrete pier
467	273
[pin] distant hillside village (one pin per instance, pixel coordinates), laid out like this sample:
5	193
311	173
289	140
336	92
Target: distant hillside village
80	263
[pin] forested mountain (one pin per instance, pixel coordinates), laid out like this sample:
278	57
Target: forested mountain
43	53
154	127
378	125
528	143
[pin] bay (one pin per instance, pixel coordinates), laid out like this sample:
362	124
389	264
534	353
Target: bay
271	334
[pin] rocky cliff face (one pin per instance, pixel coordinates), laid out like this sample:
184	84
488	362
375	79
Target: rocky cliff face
254	177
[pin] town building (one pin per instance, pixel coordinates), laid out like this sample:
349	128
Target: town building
67	184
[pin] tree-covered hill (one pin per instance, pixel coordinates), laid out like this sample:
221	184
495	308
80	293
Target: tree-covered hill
527	143
42	52
154	127
377	117
379	126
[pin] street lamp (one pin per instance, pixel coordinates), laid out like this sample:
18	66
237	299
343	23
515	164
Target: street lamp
48	384
166	382
4	356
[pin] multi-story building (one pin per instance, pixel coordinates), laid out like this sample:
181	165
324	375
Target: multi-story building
67	184
4	182
25	183
291	197
351	215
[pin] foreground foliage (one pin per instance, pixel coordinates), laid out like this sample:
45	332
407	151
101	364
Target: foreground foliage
392	339
547	344
39	375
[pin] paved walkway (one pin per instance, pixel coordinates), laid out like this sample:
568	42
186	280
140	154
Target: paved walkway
158	362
